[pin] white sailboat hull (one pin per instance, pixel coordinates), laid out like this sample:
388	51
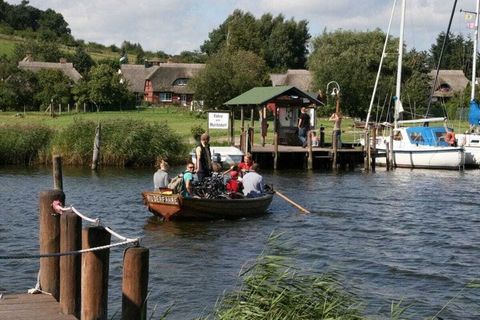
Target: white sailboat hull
427	157
471	145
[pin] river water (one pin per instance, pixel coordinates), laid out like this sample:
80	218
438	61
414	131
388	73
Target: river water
406	234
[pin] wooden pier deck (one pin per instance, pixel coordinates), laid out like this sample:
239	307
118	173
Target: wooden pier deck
31	307
294	157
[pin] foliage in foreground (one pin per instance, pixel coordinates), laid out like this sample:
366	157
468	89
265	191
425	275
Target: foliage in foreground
273	289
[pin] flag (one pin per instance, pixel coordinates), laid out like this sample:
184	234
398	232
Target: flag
469	16
471	25
398	108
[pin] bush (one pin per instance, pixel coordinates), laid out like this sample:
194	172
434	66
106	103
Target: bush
197	131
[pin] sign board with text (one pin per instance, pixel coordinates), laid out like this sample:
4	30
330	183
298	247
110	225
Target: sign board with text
218	120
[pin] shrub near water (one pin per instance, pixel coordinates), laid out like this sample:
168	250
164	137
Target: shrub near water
123	143
23	144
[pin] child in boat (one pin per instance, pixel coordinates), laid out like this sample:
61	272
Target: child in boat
233	185
246	164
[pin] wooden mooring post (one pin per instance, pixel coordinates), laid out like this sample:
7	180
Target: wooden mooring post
57	172
135	283
50	241
95	268
70	267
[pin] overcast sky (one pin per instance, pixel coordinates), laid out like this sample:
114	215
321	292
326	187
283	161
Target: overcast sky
177	25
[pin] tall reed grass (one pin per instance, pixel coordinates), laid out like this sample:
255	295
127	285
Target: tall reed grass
24	145
123	143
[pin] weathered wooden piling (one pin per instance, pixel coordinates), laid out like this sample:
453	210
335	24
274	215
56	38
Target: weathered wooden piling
50	241
57	172
95	268
310	151
70	267
96	147
135	283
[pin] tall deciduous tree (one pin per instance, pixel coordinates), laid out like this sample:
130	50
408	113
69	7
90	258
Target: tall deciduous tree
53	86
282	44
457	54
227	74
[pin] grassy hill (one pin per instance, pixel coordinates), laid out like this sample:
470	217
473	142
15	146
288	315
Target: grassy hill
8	42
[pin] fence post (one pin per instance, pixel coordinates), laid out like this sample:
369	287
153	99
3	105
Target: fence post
49	237
95	265
70	240
135	283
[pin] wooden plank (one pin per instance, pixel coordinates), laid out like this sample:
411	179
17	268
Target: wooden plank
31	306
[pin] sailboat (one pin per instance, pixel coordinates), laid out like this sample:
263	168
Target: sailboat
409	144
471	140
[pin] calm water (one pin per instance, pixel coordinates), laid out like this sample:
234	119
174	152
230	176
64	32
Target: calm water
411	235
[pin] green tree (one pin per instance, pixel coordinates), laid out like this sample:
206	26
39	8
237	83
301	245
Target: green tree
282	44
82	61
457	54
351	59
40	51
227	74
103	88
54	86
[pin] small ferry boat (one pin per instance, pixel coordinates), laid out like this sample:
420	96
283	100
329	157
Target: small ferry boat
170	206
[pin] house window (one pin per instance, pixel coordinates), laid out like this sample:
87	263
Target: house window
165	96
180	82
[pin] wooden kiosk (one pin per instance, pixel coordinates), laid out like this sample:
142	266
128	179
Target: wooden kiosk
283	103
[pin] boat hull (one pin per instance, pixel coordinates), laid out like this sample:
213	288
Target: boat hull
174	207
471	145
426	158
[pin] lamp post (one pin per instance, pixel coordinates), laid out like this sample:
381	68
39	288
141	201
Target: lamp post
336	93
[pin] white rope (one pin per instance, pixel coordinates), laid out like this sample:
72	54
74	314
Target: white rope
70	253
58	208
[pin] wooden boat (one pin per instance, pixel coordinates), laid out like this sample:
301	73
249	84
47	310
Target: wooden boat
170	206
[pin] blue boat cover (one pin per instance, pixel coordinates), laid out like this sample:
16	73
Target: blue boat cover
474	114
427	136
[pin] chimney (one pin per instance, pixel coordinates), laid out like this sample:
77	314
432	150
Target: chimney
63	60
28	57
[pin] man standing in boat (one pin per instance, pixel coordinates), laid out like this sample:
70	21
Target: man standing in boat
203	157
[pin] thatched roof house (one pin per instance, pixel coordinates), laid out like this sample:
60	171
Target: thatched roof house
448	83
162	82
299	78
66	67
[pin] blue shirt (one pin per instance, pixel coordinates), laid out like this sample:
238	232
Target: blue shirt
187	176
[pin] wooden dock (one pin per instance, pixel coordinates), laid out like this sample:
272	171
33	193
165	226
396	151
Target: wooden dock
31	307
296	157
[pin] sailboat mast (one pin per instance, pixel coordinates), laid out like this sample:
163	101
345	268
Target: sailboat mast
474	64
399	66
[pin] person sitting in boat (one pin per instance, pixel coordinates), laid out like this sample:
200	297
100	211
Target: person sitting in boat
253	185
187	188
160	177
234	186
246	164
450	138
203	157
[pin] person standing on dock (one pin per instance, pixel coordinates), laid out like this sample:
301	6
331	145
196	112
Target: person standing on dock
160	178
303	126
253	185
337	132
203	157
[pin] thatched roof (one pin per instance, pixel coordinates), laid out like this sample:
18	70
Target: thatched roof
165	74
66	67
162	76
135	74
299	78
448	82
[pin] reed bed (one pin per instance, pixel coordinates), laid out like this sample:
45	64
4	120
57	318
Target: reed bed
24	145
124	143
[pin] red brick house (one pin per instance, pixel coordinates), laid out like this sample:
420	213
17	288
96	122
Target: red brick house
162	82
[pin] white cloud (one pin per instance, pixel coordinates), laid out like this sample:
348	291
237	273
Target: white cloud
173	26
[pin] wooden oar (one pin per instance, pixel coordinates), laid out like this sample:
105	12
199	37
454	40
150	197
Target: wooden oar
292	202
